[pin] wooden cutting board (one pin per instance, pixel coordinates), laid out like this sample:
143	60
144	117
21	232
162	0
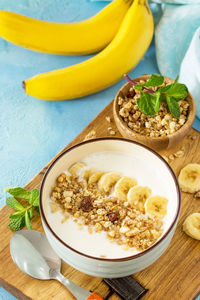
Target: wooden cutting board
175	275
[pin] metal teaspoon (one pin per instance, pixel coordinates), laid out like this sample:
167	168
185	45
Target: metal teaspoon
32	253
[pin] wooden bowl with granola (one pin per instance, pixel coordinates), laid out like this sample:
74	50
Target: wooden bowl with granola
154	110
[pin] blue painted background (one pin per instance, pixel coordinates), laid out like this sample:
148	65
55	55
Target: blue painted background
33	131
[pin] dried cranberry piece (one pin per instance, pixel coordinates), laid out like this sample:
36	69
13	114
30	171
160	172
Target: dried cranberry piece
131	94
86	204
113	216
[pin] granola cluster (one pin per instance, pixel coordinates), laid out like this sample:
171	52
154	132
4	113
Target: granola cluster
124	224
160	125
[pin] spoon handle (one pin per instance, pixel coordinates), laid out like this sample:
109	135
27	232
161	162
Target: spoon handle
79	292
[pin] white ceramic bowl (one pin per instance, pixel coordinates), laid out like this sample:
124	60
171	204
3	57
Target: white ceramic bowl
111	267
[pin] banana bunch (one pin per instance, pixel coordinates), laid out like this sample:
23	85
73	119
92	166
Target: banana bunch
124	28
189	178
191	226
76	38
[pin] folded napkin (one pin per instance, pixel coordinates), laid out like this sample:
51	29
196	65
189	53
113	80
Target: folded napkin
190	69
177	41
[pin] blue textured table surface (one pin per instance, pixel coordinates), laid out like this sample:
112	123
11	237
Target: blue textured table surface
33	131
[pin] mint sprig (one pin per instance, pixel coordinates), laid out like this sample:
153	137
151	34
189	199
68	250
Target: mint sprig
154	80
149	101
23	214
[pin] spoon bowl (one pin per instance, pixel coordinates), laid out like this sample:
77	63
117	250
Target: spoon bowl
32	253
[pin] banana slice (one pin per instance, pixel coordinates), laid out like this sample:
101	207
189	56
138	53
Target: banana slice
75	168
107	181
189	178
86	173
138	195
122	187
93	178
157	206
191	226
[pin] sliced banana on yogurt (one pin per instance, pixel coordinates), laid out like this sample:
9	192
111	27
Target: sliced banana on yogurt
191	226
138	195
94	177
189	178
157	206
122	187
107	181
75	168
86	173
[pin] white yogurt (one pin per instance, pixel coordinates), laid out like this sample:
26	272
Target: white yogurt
97	244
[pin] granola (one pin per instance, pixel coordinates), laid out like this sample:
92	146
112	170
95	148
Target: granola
160	125
125	224
90	135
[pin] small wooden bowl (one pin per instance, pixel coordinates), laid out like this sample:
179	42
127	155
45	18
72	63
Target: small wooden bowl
156	143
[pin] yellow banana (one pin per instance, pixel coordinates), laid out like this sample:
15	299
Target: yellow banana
105	68
83	37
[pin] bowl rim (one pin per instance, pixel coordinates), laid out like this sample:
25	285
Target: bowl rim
43	217
189	121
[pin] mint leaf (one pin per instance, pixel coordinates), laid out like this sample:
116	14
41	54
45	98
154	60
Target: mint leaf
154	80
27	220
173	107
17	221
149	101
19	192
157	102
176	80
30	212
13	203
24	214
162	98
34	198
147	104
17	214
176	90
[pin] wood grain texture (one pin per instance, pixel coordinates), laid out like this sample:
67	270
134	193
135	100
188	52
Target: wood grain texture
175	275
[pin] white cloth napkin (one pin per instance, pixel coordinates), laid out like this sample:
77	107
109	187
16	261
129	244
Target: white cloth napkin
190	69
178	45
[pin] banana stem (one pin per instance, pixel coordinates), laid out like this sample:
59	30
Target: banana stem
134	84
